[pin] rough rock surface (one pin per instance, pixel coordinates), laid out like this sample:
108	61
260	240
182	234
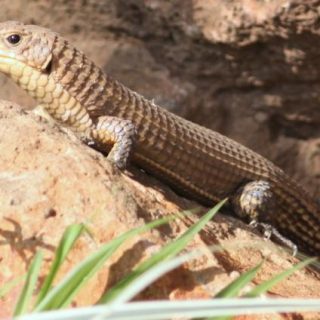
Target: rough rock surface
49	180
247	68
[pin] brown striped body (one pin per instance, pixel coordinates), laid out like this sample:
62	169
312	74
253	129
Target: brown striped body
196	161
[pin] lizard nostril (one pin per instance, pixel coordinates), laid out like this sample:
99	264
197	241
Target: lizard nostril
14	39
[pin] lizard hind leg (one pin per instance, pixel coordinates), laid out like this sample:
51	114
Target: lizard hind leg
255	202
116	135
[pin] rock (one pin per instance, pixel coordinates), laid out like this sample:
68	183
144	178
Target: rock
49	180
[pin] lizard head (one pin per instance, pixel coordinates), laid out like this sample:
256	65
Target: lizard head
25	44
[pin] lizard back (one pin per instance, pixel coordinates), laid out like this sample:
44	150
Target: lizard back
194	160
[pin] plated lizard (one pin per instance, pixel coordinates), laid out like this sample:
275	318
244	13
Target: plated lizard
194	160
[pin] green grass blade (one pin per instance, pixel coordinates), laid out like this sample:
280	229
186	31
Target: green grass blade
156	272
263	287
254	308
11	284
166	252
70	236
235	286
266	285
28	288
62	294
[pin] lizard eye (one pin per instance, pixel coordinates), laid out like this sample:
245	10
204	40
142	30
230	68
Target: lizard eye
14	39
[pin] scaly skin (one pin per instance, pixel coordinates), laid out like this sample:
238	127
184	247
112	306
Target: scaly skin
195	161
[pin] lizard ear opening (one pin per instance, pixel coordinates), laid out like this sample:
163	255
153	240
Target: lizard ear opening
47	65
48	68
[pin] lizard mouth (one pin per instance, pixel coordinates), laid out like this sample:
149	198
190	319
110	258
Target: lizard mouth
11	59
6	56
7	61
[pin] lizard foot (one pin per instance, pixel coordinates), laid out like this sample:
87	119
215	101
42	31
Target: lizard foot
269	231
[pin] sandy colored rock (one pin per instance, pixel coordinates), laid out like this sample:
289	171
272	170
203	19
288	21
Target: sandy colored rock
49	180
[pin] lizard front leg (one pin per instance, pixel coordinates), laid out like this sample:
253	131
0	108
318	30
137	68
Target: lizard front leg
255	202
119	134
